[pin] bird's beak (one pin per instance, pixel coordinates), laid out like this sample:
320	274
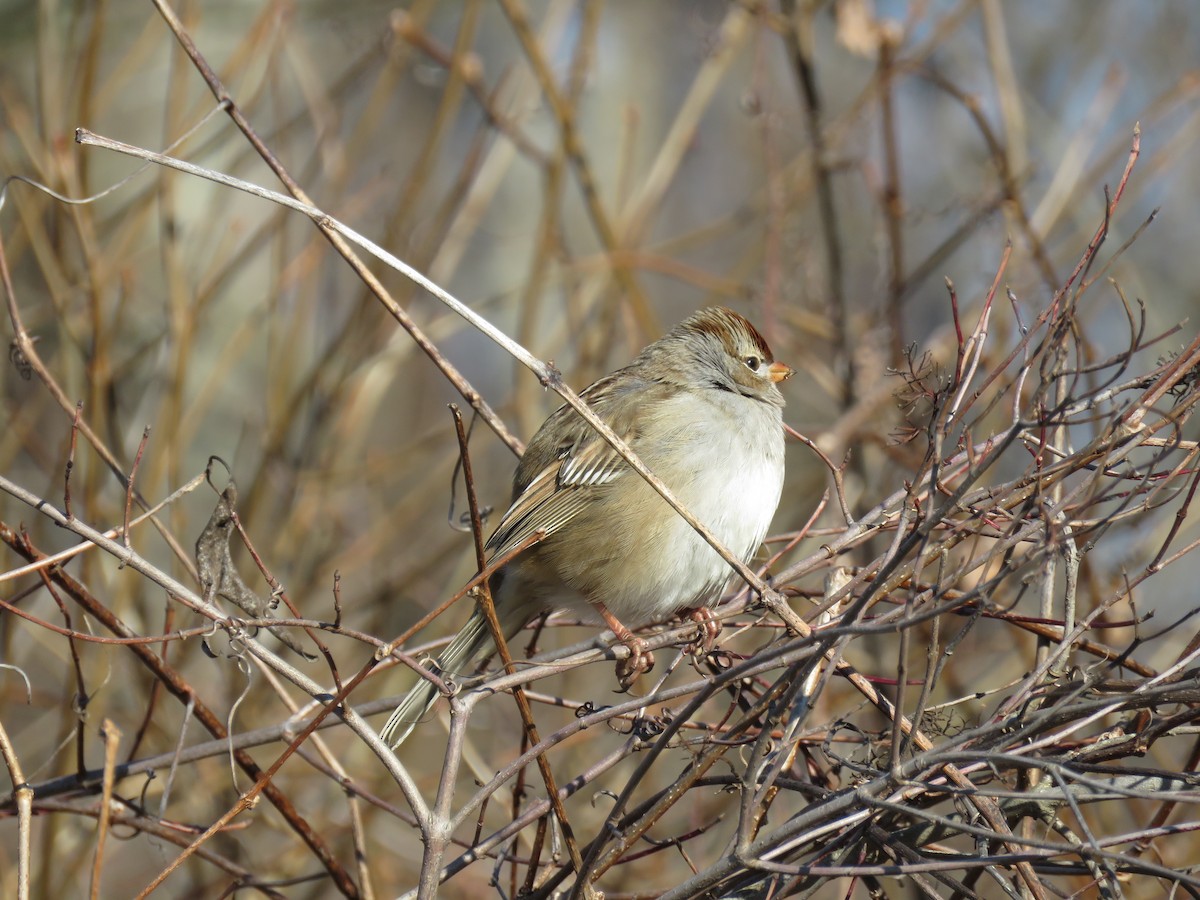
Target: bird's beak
778	372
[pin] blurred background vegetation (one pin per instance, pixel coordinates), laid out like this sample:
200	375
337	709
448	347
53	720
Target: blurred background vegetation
822	167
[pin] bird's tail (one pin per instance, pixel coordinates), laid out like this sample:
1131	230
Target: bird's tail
467	645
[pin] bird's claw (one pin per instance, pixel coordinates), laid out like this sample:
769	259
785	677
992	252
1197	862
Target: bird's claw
708	629
639	660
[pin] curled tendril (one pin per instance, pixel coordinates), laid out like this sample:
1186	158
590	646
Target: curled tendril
585	709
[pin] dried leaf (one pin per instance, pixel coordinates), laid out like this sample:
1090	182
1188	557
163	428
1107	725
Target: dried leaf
218	576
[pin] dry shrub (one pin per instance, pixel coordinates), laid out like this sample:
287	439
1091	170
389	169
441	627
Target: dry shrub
972	671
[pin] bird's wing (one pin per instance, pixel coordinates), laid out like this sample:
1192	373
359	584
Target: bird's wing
567	464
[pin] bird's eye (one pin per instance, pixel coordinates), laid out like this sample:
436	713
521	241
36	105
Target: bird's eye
753	362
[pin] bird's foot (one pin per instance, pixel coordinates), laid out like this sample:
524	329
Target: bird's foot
708	629
639	660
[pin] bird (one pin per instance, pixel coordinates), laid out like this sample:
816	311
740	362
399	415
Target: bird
701	407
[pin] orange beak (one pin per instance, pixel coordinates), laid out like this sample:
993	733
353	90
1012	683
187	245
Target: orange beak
778	372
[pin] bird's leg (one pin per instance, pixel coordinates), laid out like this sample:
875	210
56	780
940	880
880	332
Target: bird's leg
708	628
639	660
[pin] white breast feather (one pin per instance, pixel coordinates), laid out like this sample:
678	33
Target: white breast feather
733	487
